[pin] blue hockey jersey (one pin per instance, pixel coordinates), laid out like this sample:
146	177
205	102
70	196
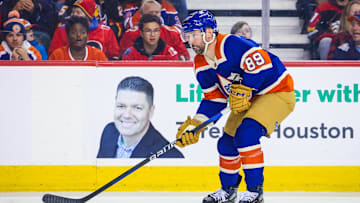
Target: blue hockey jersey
238	60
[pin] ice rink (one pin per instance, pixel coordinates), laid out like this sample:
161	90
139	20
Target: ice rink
184	197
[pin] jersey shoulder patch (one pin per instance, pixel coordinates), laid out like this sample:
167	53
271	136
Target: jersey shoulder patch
255	60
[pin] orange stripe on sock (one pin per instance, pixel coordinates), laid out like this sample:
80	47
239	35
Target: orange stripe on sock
250	152
257	158
230	164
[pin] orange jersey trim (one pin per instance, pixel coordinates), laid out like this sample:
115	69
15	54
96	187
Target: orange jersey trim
215	94
286	85
200	61
220	37
35	52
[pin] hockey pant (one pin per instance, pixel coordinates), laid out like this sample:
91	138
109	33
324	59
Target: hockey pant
242	149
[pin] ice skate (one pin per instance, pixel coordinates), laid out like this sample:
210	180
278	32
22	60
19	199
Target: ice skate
253	196
222	195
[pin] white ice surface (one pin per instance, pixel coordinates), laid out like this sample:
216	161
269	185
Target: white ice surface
184	197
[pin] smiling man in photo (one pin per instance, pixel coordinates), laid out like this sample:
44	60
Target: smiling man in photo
132	134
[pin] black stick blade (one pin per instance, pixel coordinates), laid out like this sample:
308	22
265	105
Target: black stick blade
49	198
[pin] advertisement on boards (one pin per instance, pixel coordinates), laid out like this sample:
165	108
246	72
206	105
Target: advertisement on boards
58	115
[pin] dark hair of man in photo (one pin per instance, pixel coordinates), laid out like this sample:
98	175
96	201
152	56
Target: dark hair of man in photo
138	84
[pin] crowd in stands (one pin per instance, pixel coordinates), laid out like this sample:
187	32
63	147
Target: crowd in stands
55	30
149	29
331	26
241	28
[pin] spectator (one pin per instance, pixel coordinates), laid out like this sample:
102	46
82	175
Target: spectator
149	46
114	14
323	24
343	36
30	37
39	12
181	8
241	28
168	14
100	36
77	30
305	9
170	36
59	4
132	134
5	7
14	45
64	10
351	49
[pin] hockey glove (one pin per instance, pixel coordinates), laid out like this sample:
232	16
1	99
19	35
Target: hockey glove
239	98
184	134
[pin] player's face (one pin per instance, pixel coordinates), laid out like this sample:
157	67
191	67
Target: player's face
151	33
355	31
14	40
77	36
132	112
195	40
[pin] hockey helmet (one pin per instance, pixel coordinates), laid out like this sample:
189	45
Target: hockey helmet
199	20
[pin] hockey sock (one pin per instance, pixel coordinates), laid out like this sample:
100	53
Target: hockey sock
229	161
247	140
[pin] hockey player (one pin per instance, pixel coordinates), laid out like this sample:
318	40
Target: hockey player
261	95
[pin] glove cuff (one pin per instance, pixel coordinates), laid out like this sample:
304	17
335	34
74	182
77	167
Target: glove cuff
200	117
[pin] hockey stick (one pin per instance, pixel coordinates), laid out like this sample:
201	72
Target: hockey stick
50	198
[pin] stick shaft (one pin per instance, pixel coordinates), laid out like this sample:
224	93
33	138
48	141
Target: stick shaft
117	179
57	199
165	149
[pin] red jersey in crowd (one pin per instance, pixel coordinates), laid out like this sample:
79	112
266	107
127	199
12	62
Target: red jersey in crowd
337	40
325	14
171	37
162	52
102	37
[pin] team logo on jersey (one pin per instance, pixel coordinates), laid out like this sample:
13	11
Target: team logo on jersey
172	51
235	77
225	84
